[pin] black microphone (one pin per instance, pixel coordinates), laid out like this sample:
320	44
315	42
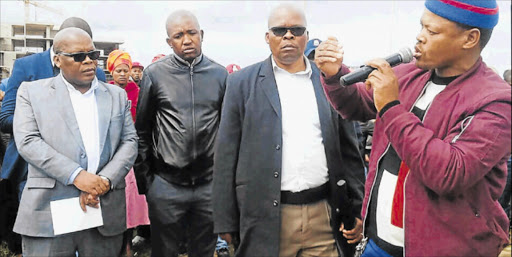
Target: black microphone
361	74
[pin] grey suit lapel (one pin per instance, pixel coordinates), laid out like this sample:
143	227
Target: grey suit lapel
65	108
268	83
104	102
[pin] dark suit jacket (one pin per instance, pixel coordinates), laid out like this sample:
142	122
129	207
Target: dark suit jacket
29	68
247	166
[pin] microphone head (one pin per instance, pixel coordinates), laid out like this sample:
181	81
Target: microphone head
406	54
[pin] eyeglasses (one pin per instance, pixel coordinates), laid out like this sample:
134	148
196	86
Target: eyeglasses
281	31
80	56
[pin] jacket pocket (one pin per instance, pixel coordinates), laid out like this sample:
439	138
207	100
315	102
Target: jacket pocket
40	183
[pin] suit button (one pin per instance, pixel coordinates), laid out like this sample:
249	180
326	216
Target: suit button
276	174
278	147
337	210
276	203
82	155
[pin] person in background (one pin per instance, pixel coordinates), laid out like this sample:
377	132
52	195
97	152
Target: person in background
506	197
119	64
310	48
157	57
441	140
233	68
507	77
283	156
177	120
3	84
29	68
78	136
136	73
222	247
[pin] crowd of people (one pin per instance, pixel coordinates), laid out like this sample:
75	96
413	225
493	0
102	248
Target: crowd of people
188	156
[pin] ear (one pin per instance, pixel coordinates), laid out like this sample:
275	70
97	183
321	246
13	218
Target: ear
169	41
267	37
202	35
471	38
56	60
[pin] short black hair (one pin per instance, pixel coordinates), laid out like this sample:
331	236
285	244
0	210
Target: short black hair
485	34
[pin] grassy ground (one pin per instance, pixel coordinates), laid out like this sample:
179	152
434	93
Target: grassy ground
143	252
4	252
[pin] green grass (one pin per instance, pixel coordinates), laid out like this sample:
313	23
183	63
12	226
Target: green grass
145	252
4	252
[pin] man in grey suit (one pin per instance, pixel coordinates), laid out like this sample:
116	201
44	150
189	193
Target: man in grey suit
283	155
78	137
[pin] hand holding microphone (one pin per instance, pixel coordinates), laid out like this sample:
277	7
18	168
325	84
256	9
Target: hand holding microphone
360	75
383	81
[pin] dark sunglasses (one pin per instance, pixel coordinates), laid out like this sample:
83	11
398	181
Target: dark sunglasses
281	31
80	57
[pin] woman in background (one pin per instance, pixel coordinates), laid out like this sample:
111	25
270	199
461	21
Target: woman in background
119	64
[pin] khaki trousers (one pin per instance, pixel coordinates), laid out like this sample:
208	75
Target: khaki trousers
306	231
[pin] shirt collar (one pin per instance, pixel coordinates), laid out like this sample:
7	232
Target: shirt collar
72	89
52	54
307	71
194	62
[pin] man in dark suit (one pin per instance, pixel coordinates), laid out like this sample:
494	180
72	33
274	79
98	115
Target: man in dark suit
78	137
282	154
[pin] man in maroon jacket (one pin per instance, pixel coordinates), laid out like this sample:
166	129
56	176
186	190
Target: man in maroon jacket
441	139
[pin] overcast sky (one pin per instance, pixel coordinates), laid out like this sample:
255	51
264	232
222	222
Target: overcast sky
235	30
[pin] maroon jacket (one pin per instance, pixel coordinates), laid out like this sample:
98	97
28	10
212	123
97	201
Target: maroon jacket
457	157
132	91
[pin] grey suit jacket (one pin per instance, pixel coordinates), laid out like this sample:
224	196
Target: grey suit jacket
48	138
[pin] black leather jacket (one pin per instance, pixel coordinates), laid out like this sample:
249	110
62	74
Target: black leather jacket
178	116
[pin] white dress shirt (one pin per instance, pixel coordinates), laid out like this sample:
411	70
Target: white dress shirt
304	164
86	113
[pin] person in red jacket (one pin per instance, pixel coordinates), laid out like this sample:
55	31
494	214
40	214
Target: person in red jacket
119	64
441	140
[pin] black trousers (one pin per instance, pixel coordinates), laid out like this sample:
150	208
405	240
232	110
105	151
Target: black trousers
175	211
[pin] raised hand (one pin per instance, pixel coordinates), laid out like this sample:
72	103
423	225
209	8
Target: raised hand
329	57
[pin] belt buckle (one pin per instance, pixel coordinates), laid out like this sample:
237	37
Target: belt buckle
360	247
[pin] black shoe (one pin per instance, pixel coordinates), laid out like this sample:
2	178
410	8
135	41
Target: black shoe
223	252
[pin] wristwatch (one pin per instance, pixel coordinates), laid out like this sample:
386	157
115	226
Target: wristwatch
109	182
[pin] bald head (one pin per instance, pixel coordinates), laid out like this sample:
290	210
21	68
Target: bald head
67	37
507	76
180	17
75	22
282	12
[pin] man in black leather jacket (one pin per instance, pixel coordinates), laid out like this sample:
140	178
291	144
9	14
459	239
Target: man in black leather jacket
178	116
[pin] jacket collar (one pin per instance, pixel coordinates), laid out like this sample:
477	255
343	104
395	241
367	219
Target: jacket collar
267	81
307	71
197	60
65	108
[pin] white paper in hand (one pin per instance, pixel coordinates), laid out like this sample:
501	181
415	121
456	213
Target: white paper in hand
67	216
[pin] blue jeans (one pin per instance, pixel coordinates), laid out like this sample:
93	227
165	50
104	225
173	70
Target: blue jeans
372	250
221	244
